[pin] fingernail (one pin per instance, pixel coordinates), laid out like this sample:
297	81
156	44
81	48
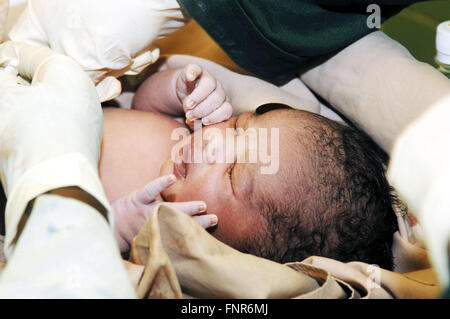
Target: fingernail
214	220
202	208
171	179
206	122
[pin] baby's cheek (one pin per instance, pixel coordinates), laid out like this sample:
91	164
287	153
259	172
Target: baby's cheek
196	191
229	229
235	221
173	192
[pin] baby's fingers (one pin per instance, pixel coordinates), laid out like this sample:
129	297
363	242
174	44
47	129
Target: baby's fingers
206	221
148	194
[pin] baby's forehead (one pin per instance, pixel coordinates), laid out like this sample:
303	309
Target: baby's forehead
292	127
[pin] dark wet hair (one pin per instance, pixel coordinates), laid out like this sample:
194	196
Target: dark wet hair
336	205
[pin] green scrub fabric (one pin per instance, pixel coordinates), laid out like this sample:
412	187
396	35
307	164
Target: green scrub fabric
273	39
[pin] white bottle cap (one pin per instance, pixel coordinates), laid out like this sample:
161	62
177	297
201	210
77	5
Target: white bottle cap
443	42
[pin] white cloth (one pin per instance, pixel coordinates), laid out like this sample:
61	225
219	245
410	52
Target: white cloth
51	131
420	171
66	251
108	38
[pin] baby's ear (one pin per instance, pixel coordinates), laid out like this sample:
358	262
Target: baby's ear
270	107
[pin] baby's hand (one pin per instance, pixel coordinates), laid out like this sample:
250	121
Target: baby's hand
203	97
132	211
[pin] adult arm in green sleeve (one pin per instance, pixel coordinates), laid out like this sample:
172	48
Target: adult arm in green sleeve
274	39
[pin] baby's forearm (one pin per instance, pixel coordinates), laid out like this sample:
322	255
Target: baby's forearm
158	94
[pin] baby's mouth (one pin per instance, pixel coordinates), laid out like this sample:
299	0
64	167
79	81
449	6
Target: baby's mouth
180	166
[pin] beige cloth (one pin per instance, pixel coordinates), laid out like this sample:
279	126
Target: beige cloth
173	243
172	246
376	283
182	259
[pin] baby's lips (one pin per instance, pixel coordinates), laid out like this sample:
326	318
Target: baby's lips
179	169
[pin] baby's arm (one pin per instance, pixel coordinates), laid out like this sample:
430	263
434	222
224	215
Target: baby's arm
189	90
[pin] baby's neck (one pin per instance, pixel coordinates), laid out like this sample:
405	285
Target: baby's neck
135	146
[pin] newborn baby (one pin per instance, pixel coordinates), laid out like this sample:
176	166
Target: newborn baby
326	194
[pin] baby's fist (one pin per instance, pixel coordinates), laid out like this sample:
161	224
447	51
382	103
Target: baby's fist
203	97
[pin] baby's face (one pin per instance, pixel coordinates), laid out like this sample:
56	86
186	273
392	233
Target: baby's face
224	177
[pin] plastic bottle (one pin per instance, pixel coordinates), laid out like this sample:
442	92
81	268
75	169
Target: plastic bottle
443	48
